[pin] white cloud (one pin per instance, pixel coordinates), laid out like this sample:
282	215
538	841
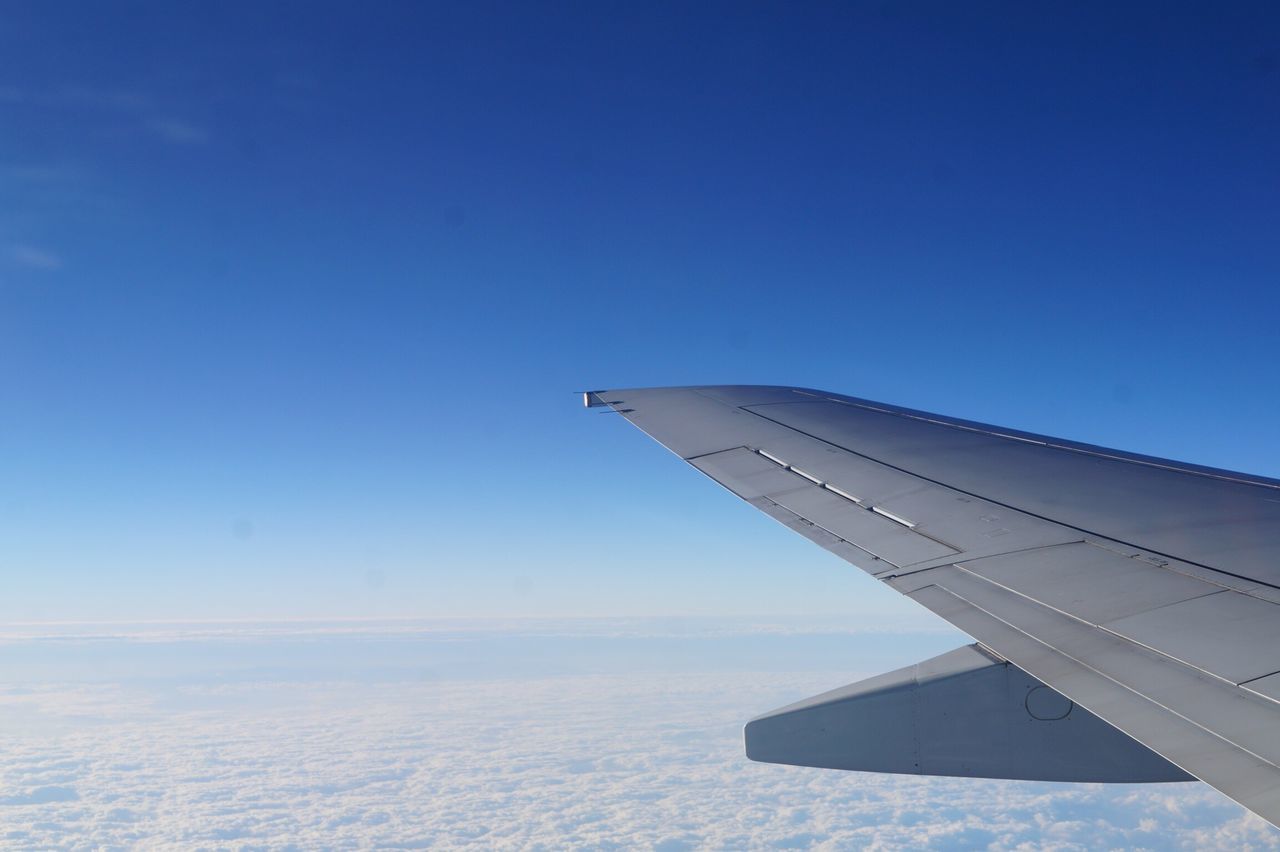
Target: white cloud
91	97
33	257
36	173
178	131
128	754
142	110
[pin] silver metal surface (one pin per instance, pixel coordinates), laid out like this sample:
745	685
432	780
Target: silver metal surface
1234	715
1230	635
1223	520
962	714
1250	780
885	538
748	474
1268	686
1088	582
1142	589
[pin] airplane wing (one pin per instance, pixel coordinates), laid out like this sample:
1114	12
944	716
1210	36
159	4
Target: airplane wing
1142	592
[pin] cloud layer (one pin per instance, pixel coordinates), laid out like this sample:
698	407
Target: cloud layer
278	756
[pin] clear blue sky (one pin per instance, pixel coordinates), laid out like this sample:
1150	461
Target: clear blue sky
294	297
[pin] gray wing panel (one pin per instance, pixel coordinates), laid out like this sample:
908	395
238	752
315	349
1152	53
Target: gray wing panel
1131	585
1229	524
890	540
965	713
1252	781
748	474
1234	636
1089	582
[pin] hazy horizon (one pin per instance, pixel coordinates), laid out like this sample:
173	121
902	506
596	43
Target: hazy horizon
617	735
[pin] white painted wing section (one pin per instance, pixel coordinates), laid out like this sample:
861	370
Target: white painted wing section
1144	590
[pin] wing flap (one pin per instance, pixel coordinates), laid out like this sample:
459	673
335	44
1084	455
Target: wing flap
747	473
964	713
1231	635
846	550
1243	776
1089	582
892	541
1240	723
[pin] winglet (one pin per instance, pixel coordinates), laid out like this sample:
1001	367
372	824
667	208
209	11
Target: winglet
591	399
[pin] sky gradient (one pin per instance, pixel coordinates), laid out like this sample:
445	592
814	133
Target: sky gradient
294	298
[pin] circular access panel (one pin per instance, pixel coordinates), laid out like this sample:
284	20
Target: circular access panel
1047	705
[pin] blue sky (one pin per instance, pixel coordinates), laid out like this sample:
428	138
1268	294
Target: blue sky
294	299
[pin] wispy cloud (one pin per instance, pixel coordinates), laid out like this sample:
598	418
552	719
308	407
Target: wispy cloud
143	111
178	131
92	97
116	100
36	173
33	257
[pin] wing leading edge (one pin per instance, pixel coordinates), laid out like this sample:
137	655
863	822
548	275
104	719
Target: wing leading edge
1144	590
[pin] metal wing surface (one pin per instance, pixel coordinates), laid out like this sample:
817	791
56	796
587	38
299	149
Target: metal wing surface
1146	591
